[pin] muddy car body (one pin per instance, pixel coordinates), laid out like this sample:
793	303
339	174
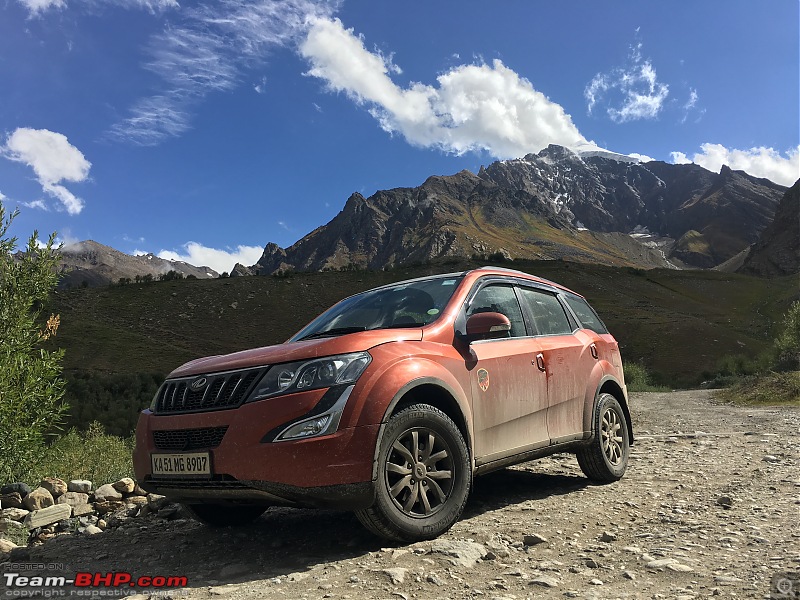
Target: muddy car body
390	403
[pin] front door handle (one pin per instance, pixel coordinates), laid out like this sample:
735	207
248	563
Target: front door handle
540	362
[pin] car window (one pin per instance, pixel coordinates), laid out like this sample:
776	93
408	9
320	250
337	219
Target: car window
547	312
586	315
500	299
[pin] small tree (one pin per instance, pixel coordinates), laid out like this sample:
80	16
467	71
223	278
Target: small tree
787	344
31	387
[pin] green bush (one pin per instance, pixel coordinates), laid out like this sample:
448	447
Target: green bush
638	378
31	387
92	455
787	344
770	389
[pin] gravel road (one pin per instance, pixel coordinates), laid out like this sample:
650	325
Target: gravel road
710	505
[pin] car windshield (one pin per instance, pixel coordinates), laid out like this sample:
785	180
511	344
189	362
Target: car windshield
407	304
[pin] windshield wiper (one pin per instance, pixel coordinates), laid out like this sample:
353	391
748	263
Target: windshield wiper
332	332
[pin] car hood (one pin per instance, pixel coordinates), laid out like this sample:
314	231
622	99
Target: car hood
292	351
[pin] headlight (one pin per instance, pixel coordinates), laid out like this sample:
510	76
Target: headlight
311	375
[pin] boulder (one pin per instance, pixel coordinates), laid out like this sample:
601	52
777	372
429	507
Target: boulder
73	499
126	485
15	514
55	486
6	547
21	488
48	515
9	527
38	499
82	510
108	506
12	500
107	492
82	486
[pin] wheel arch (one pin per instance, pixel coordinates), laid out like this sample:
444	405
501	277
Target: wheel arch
432	391
609	385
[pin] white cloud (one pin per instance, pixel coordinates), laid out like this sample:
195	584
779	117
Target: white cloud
642	157
473	107
630	92
759	162
37	204
37	7
53	160
220	260
206	53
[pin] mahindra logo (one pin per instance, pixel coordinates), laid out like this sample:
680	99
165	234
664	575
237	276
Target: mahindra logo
198	384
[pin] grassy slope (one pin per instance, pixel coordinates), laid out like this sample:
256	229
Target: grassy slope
677	323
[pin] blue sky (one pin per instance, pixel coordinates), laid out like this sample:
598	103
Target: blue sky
204	130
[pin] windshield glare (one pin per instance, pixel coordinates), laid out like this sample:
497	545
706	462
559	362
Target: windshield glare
409	304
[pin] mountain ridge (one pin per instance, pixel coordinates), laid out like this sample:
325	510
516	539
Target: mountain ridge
551	205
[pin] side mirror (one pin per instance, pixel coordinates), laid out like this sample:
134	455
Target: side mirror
487	325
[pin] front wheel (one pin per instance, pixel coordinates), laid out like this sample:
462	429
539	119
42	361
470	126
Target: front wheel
424	476
605	459
225	515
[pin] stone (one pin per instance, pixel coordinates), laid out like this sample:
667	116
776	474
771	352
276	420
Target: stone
460	553
107	492
108	506
126	485
48	515
38	499
662	562
725	501
544	581
6	546
533	539
54	485
12	500
15	514
73	499
156	502
10	527
596	581
137	501
608	537
92	530
769	458
20	488
81	486
81	510
397	575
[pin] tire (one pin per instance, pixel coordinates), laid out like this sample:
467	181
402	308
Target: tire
605	459
419	495
224	515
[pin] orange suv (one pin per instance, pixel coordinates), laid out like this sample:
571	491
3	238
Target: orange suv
390	402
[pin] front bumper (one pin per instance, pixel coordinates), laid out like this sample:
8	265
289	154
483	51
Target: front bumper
328	471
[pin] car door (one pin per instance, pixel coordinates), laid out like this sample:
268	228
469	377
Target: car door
569	355
509	392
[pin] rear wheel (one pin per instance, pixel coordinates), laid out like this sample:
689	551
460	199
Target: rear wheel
424	476
605	459
224	515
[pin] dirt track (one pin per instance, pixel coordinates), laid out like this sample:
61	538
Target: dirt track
710	506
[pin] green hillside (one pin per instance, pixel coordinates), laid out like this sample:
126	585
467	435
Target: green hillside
677	323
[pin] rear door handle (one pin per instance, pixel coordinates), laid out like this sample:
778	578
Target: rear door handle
539	362
593	350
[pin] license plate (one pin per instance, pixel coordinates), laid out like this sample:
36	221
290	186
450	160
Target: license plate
187	463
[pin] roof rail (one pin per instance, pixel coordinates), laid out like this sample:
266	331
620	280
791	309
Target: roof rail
517	272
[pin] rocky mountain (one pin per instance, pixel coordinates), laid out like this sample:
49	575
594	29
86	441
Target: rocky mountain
777	251
550	205
97	264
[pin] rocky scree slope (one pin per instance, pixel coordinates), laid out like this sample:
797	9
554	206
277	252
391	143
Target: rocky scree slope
554	204
777	251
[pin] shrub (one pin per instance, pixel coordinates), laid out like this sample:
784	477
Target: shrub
31	387
787	344
92	455
638	378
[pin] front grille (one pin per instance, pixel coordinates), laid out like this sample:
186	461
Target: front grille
216	482
189	439
221	390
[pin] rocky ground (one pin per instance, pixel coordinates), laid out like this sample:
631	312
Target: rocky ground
710	506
